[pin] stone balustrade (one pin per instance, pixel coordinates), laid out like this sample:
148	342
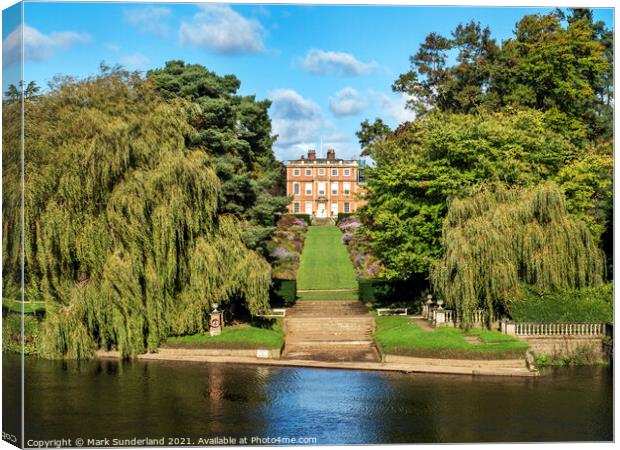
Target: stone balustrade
450	316
553	329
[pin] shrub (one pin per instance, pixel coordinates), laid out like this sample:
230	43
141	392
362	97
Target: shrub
365	263
283	292
343	216
11	334
281	253
577	305
284	249
305	217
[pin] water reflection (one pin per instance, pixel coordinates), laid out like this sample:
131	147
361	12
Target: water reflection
155	399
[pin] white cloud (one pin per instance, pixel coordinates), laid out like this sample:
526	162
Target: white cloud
289	104
149	19
295	118
37	45
112	47
394	107
347	102
298	120
320	62
222	30
135	61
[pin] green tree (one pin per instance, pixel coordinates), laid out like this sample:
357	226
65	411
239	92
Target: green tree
498	241
371	134
236	131
425	163
12	93
124	237
432	83
549	64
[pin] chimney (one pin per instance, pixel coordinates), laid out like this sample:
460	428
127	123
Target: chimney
312	154
331	154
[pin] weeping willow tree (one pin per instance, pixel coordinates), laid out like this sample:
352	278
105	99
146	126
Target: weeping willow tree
499	239
123	240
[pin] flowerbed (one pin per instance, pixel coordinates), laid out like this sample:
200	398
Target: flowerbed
286	246
365	263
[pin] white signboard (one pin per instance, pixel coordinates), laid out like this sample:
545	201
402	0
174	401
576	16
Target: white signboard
262	353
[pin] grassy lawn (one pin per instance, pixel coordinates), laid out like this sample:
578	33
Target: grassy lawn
244	336
402	336
338	295
325	262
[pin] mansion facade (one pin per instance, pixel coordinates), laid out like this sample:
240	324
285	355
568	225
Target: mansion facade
324	187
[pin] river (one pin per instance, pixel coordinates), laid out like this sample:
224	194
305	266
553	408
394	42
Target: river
189	401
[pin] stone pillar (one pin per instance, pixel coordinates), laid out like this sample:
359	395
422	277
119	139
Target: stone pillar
429	302
216	322
440	317
510	328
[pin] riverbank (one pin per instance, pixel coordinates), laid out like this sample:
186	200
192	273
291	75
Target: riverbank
390	363
412	336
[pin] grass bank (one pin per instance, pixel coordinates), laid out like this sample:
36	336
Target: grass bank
402	336
242	336
325	262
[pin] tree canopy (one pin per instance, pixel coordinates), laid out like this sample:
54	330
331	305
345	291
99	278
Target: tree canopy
500	239
554	62
236	131
425	163
531	109
125	240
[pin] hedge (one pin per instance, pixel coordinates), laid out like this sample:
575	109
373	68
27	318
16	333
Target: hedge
283	292
580	305
371	290
383	293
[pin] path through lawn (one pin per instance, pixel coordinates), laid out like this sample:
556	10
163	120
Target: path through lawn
325	266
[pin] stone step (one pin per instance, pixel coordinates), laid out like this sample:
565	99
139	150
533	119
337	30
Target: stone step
329	337
335	308
329	311
324	315
331	321
326	303
334	331
367	330
305	340
329	330
489	363
328	307
351	318
323	352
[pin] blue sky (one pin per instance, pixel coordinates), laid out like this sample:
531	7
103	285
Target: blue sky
326	68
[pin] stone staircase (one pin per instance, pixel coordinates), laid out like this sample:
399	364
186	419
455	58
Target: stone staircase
322	221
329	330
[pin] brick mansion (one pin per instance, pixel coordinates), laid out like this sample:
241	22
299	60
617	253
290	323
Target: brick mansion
324	187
